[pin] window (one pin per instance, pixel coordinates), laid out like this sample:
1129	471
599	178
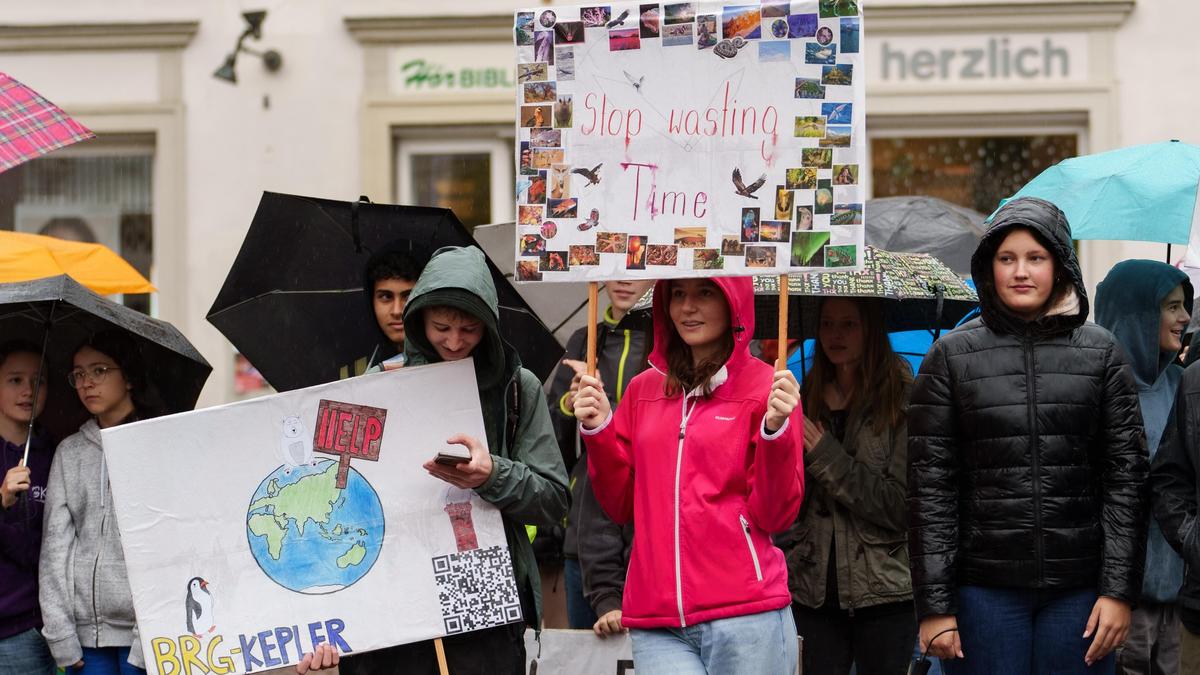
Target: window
972	171
467	170
973	160
98	191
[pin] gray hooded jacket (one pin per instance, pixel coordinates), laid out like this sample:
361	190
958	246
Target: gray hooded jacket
83	585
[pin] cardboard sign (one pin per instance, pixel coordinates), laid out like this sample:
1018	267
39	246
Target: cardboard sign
246	545
689	139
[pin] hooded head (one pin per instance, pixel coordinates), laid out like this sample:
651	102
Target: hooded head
1129	302
1067	307
739	294
459	278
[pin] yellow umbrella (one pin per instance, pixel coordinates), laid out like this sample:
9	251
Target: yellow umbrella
33	256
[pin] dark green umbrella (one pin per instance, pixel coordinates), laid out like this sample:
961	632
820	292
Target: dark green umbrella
919	293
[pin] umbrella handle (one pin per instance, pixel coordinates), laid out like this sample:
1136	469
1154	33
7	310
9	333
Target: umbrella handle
37	382
937	318
354	232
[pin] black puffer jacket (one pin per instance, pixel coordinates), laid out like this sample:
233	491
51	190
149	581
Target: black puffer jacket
1027	464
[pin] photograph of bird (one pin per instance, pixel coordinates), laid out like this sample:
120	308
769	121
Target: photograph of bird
592	221
835	114
592	175
637	84
199	605
747	190
619	21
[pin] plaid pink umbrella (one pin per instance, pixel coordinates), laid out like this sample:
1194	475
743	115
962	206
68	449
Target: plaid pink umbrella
31	126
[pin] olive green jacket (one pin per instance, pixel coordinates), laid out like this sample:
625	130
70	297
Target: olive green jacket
528	482
855	496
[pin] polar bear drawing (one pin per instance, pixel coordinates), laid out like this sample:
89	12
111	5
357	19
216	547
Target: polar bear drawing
295	446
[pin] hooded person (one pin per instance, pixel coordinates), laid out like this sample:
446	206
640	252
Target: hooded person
1146	304
595	550
453	313
83	587
704	454
1027	467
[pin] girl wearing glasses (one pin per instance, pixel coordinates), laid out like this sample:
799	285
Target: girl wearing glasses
87	608
22	496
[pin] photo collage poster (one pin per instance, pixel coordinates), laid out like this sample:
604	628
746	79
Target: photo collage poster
689	140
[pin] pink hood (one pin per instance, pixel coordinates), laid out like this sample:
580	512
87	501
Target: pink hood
739	293
705	486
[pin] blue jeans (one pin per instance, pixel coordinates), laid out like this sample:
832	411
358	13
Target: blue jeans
754	644
25	654
106	661
579	610
1010	631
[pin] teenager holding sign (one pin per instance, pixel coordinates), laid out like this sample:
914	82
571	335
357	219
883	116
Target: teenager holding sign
702	453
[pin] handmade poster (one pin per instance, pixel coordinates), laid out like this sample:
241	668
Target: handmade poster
689	139
255	530
580	652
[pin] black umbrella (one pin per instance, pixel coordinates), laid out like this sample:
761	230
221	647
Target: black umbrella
293	302
919	293
61	314
919	224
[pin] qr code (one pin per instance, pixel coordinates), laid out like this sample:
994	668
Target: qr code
476	589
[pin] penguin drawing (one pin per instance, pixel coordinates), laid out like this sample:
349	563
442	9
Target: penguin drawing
199	605
295	446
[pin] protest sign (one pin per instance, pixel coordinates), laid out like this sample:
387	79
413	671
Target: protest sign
582	652
255	530
578	652
689	139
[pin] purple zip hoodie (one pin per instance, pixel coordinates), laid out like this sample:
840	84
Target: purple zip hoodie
21	538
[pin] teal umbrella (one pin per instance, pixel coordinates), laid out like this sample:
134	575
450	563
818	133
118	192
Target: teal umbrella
1139	193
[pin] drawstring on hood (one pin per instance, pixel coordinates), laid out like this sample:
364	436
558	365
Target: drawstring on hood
1049	225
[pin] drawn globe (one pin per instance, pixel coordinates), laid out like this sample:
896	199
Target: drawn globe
308	535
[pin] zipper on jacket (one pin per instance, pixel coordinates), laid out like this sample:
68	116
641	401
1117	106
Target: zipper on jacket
95	573
686	413
1031	379
621	365
750	545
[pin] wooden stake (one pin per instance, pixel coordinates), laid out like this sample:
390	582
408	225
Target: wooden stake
593	319
782	355
441	656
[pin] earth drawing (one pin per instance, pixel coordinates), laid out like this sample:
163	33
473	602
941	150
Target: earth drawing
310	537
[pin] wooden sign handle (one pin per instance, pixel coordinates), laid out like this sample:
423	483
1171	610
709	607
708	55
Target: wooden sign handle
441	657
781	357
593	319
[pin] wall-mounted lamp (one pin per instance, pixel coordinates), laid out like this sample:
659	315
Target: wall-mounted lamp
272	59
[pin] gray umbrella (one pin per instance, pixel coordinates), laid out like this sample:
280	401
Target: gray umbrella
59	313
919	224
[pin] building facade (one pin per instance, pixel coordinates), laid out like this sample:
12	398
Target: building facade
412	102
